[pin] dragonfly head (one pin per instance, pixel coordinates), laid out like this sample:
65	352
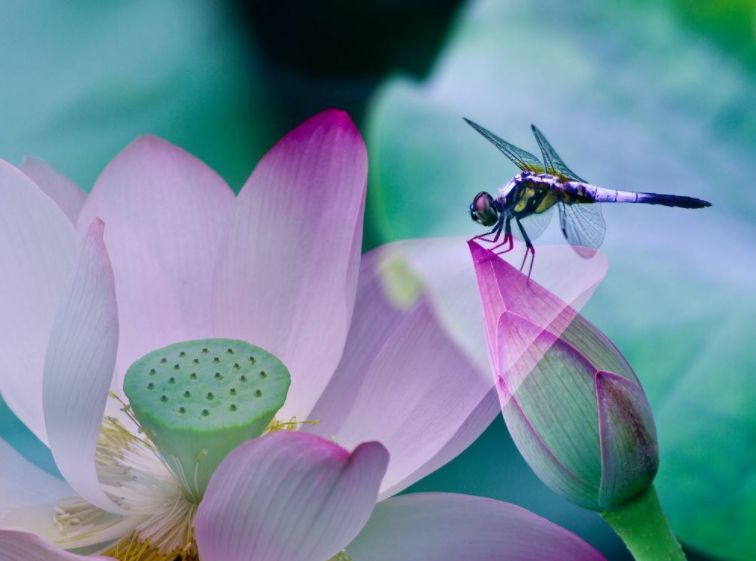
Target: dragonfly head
483	209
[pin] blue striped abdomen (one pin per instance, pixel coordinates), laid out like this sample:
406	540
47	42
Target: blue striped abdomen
598	194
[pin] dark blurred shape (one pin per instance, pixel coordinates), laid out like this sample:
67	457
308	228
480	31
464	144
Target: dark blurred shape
335	52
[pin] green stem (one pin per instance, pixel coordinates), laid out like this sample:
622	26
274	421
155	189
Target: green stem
643	527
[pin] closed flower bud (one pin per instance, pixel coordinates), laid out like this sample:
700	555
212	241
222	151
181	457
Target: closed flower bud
572	403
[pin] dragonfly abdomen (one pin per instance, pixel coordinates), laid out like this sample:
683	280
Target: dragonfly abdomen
603	195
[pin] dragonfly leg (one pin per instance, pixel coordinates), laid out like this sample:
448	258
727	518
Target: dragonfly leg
496	230
508	241
529	249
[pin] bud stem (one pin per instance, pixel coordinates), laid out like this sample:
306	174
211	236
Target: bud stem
643	527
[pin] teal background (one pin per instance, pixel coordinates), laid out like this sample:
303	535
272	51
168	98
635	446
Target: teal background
651	95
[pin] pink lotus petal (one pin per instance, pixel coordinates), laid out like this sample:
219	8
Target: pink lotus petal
21	546
68	196
288	496
166	213
288	270
450	527
37	248
79	368
561	284
402	381
472	427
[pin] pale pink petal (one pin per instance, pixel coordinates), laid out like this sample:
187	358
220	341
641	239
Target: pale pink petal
402	380
468	432
450	527
37	247
68	196
288	269
288	496
166	212
443	267
79	368
21	546
29	497
23	488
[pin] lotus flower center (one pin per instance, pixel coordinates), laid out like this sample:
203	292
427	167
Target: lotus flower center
193	402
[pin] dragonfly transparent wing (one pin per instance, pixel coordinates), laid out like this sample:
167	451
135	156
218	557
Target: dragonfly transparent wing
534	224
522	159
554	164
583	226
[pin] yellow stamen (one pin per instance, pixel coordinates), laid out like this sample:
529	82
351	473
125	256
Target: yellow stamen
133	548
291	425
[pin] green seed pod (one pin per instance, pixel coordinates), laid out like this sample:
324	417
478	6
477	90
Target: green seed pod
198	400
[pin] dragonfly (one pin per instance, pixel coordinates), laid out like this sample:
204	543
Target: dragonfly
529	196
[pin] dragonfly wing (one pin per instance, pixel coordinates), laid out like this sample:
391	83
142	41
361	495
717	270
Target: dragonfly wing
522	159
535	224
554	164
583	226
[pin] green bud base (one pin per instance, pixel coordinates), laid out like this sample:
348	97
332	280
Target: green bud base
198	400
641	524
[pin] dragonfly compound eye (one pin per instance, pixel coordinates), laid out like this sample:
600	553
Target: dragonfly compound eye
483	211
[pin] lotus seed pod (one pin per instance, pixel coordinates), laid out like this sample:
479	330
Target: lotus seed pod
198	400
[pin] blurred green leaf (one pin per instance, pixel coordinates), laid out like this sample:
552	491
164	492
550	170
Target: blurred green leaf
632	98
82	79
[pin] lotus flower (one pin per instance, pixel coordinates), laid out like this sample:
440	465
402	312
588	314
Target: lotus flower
572	403
162	253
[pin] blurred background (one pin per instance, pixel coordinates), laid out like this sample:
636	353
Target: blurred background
647	95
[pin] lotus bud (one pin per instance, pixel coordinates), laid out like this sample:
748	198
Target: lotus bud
572	403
